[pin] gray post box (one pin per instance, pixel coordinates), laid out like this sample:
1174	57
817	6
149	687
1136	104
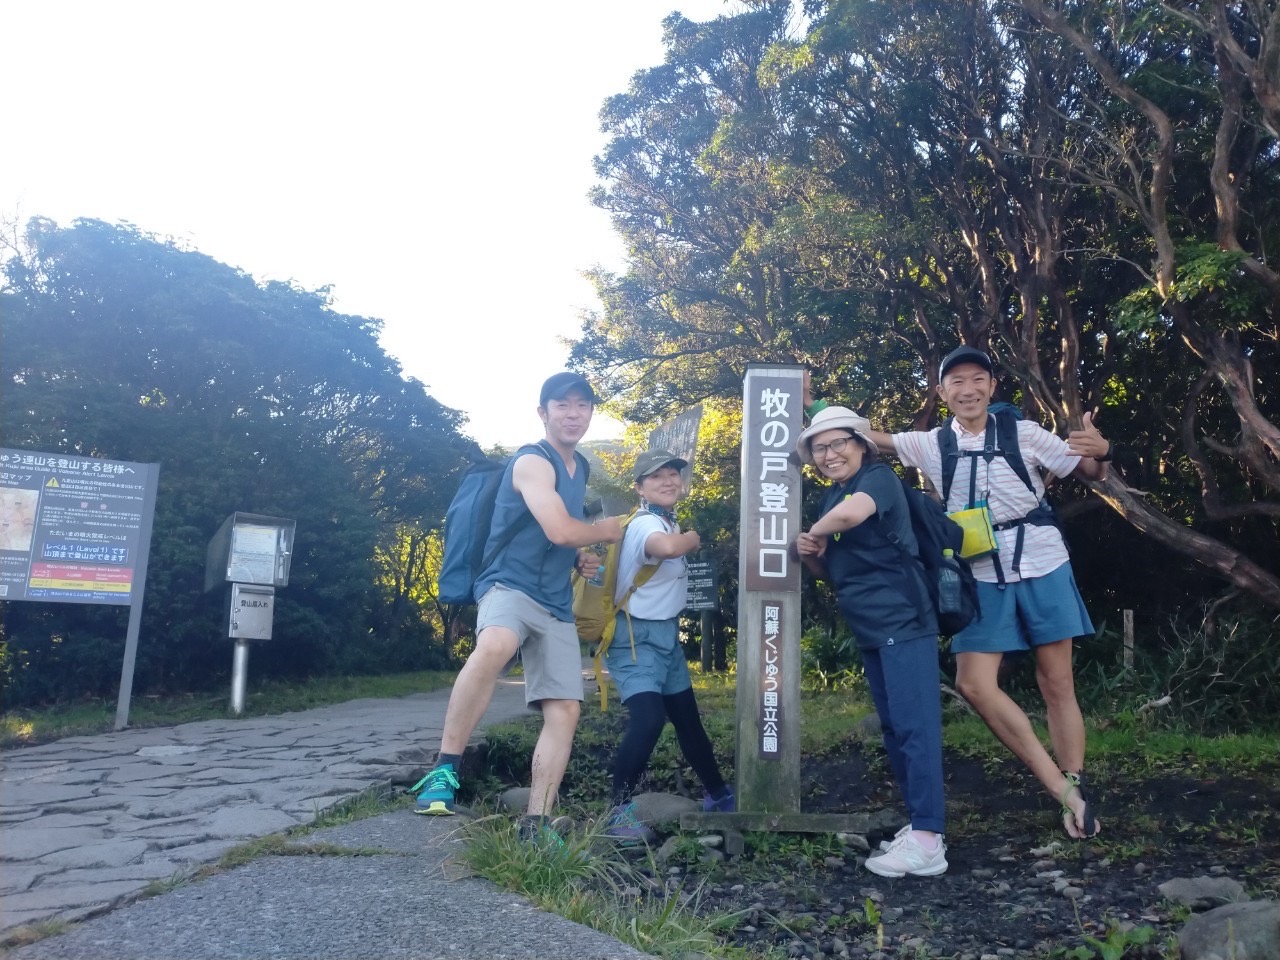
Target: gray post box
250	548
252	553
252	608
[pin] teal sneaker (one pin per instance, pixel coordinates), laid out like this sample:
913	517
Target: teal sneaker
538	832
439	789
625	828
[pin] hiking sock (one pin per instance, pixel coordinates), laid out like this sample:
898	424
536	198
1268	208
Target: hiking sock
645	719
682	708
452	759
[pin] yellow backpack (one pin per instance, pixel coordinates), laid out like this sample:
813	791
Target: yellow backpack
595	613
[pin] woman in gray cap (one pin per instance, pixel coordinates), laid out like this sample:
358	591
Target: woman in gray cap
645	658
850	545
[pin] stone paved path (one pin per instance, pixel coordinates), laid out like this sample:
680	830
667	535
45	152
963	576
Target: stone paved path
87	823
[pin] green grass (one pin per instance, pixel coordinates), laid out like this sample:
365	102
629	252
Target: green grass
590	883
1127	742
22	728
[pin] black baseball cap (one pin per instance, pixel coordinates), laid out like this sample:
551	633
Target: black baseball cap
558	386
965	354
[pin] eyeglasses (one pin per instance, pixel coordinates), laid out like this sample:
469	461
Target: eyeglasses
835	446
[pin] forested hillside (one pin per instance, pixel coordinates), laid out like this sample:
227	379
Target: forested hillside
254	397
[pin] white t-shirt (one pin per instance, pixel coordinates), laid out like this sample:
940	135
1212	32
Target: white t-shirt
1007	496
664	595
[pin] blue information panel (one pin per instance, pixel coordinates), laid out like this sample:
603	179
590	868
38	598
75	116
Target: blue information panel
71	527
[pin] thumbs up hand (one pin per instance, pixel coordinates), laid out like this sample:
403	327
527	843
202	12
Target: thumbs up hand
1088	442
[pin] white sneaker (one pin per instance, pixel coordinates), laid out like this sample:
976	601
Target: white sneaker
906	857
886	844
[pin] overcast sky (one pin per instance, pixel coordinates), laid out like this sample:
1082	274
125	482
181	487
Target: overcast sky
430	161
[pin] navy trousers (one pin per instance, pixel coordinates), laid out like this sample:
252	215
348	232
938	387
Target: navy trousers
903	678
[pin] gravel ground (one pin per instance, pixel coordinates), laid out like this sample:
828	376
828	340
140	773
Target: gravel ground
1016	886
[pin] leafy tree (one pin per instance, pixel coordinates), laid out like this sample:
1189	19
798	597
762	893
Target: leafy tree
1087	189
252	397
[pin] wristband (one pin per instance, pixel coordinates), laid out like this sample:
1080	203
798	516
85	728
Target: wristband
1110	454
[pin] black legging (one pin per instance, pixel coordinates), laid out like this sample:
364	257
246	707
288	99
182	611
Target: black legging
646	715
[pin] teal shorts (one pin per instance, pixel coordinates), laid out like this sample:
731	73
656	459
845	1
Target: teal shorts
658	666
1025	614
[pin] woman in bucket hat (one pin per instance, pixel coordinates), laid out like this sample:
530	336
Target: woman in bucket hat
646	660
850	546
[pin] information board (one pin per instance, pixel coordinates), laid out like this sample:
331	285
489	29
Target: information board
704	586
72	528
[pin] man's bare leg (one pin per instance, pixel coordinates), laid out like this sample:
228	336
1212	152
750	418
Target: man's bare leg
551	755
976	679
473	689
1057	686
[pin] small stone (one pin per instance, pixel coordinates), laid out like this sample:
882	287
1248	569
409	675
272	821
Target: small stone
855	840
1072	893
737	888
982	873
1042	865
711	840
1006	951
748	929
1141	869
834	863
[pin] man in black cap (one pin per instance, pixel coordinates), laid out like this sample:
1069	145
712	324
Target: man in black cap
526	603
1026	589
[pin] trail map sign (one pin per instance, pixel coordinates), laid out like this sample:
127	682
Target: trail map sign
72	528
78	530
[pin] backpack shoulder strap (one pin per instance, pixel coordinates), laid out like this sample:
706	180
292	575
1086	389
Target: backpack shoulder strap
949	448
646	570
1007	439
542	449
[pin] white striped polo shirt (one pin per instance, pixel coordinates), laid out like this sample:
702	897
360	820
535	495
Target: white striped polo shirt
1043	550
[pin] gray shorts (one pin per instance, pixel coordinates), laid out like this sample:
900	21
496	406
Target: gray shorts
548	647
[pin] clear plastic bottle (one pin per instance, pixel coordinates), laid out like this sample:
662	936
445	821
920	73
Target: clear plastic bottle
950	598
600	550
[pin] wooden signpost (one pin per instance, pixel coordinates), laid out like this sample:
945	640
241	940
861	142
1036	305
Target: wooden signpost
768	690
